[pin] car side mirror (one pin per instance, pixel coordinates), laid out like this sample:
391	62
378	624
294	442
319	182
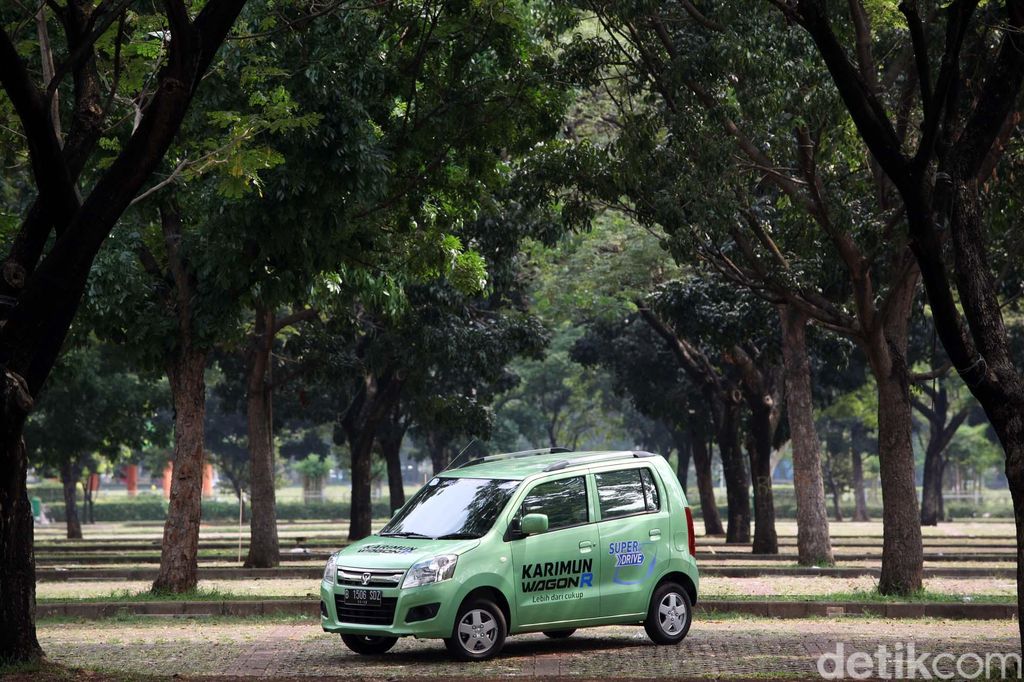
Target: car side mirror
532	524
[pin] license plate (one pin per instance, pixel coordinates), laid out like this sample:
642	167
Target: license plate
358	597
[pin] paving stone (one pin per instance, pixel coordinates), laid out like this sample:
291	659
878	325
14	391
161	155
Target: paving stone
724	648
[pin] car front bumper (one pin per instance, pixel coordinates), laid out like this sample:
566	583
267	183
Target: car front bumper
392	619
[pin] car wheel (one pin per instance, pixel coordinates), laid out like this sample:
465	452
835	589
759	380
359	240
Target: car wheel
669	615
479	631
559	634
368	645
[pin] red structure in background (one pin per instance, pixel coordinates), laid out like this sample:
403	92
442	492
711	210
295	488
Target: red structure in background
131	479
207	480
94	482
168	471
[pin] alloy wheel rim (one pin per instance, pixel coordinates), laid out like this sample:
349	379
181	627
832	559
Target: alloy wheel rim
672	613
478	631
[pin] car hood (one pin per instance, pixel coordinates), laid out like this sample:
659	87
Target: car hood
378	552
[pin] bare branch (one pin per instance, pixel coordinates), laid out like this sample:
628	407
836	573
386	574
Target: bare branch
937	373
295	318
100	20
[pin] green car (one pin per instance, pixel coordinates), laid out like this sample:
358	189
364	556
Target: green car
538	541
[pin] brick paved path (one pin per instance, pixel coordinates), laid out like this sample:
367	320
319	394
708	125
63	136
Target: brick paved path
735	648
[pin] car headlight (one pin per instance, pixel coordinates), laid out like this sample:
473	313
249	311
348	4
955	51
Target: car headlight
331	570
431	571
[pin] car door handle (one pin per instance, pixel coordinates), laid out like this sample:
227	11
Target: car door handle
586	544
655	533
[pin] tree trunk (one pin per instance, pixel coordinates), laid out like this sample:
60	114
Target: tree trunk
264	550
902	556
391	447
705	483
361	511
737	479
833	486
758	384
931	487
860	502
377	397
814	545
938	489
178	556
1008	420
683	454
69	476
88	499
766	540
18	641
837	508
940	433
439	454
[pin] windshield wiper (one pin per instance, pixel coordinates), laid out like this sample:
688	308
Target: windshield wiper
406	534
459	536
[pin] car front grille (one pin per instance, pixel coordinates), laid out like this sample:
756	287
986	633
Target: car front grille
366	615
361	577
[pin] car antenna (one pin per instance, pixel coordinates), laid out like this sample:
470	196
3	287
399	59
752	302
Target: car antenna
451	464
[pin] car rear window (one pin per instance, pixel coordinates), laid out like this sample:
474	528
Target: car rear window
651	497
621	493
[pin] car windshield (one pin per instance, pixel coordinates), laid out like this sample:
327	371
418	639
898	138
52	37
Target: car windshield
452	508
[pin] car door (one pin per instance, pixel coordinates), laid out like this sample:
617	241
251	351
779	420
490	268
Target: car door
635	532
556	573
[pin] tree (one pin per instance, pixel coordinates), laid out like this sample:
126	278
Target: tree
792	222
706	318
93	406
644	369
944	414
45	278
555	403
963	105
224	436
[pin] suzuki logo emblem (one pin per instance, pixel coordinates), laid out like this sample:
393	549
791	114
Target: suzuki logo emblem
366	578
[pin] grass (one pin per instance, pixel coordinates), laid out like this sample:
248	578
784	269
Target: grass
875	597
150	596
122	619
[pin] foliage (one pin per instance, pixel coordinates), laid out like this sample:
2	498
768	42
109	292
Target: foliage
314	466
94	405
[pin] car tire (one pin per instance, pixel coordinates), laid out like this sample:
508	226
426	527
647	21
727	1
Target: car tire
479	632
368	645
559	634
669	614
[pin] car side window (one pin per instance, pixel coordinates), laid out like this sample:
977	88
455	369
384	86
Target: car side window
621	493
564	501
651	497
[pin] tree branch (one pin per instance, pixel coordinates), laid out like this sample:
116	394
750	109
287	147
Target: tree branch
867	111
295	318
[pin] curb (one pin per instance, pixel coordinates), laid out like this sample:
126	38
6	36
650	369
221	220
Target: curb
310	607
727	556
903	610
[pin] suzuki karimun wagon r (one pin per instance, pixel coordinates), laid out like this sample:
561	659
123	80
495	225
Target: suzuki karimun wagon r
538	541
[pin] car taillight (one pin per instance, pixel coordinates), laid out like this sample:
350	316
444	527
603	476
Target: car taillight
689	530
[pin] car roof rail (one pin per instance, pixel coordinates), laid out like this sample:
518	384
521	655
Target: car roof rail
466	460
602	457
